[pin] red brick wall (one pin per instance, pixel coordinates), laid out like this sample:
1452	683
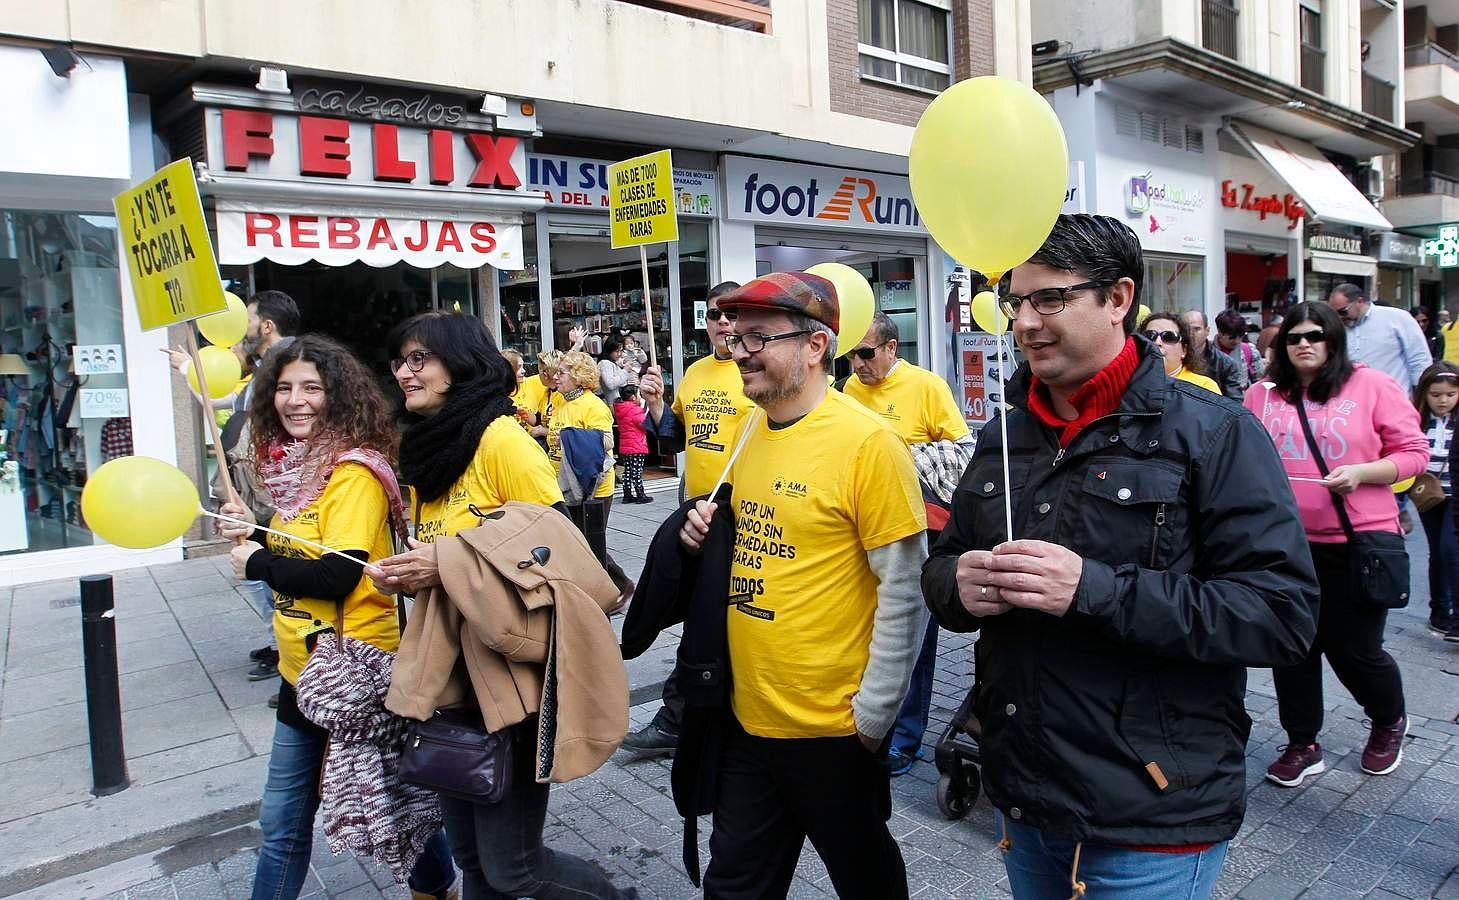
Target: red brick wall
972	50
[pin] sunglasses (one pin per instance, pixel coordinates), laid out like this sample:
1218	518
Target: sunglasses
1164	337
865	354
1311	337
716	313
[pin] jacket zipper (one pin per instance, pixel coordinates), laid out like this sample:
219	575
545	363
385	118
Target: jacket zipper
1155	533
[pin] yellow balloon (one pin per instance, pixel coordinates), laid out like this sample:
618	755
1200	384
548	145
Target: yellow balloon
226	328
858	304
1403	485
222	370
989	169
1144	314
987	314
139	502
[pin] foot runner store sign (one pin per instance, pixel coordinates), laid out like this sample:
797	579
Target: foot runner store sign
295	188
766	190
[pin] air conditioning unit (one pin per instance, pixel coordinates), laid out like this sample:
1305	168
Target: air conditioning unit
1371	181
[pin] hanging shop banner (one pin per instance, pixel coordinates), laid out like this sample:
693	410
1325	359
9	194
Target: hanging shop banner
247	234
576	183
169	257
768	190
641	200
977	359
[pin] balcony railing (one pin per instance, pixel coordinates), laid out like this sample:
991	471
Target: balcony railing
1218	27
1429	54
752	15
1314	61
1377	97
1429	183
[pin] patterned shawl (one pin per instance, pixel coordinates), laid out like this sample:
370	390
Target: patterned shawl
297	472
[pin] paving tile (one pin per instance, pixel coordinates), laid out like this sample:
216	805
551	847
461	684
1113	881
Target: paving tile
1268	886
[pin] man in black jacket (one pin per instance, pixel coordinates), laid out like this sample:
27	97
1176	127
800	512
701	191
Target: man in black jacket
1158	553
1230	375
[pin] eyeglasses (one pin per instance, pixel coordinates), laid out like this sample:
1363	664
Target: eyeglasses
1312	337
1046	301
1347	312
716	313
754	341
1162	337
415	360
865	354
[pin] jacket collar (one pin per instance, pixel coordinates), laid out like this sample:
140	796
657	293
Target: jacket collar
1140	407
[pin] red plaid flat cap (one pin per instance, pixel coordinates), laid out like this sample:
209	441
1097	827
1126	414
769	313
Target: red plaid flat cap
797	292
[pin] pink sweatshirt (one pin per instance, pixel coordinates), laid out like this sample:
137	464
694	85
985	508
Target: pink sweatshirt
633	440
1369	419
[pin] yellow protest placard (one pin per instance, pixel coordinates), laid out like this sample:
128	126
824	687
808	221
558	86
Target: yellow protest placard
174	273
641	200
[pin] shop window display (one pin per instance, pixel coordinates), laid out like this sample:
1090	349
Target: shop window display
1173	283
521	321
60	345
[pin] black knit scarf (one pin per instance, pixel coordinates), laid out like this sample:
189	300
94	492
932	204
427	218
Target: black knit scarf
436	450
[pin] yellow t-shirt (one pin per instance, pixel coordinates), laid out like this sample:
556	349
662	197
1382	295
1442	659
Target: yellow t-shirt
809	501
352	514
914	403
531	394
1451	342
508	465
709	405
585	411
1198	380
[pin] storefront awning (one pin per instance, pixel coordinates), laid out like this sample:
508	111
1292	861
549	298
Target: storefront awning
339	235
1325	191
1343	264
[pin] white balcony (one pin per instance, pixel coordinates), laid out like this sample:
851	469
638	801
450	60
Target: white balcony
1431	87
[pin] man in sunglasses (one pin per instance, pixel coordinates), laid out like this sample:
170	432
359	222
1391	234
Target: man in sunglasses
1383	337
1117	624
920	408
701	423
825	615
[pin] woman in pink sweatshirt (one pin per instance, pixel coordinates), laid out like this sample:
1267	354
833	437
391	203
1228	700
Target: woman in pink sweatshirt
1369	437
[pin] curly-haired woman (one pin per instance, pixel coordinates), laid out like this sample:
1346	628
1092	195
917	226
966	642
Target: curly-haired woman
323	441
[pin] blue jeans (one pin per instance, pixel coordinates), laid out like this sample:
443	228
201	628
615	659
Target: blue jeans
912	717
286	818
1042	866
261	596
1443	559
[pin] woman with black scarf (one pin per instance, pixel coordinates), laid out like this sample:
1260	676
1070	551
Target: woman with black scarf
462	451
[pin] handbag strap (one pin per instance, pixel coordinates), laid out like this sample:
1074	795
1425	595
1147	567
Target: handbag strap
1337	502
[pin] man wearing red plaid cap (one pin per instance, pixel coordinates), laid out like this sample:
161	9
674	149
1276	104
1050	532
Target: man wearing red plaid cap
826	616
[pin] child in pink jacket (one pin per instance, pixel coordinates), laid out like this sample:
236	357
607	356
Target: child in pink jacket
628	412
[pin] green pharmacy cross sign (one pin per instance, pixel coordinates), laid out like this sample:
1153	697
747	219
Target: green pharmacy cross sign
1445	247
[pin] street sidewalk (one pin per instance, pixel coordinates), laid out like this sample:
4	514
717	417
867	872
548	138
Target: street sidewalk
196	733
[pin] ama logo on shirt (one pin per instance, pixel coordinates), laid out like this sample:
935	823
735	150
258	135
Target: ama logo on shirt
783	486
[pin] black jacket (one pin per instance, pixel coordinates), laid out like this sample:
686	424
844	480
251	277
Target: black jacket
1123	721
1228	374
677	587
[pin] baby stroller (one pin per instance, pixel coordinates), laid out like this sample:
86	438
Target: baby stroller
958	759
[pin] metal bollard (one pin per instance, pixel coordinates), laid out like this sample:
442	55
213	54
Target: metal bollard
103	693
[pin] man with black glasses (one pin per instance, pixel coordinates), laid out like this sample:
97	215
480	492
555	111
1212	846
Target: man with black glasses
1118	623
1384	337
920	408
701	423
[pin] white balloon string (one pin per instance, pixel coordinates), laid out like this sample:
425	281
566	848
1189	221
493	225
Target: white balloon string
286	536
1003	424
739	445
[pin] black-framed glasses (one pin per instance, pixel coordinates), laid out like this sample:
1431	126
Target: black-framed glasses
754	341
865	354
1162	337
415	360
1312	337
1046	301
716	313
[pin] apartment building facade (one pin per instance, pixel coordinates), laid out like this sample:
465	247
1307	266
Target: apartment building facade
1243	139
445	155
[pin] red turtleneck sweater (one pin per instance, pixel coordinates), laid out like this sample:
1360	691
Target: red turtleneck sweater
1099	396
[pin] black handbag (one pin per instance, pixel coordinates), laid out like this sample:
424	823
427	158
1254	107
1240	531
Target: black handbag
453	754
1380	562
